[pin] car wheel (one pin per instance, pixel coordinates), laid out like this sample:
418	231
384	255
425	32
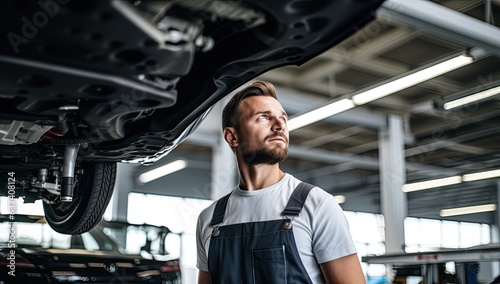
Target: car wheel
91	196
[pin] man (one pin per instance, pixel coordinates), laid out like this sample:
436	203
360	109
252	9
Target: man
272	228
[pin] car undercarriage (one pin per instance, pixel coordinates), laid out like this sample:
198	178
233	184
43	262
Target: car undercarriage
89	83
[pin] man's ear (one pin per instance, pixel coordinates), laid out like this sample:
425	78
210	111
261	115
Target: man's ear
230	136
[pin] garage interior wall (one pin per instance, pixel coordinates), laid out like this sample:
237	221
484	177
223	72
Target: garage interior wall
367	153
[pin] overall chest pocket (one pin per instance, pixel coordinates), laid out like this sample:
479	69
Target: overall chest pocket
269	265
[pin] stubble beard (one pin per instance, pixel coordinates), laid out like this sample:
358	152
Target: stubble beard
265	156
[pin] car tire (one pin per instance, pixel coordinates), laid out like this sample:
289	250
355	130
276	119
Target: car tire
91	197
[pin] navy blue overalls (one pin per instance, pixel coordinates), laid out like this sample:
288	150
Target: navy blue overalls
257	252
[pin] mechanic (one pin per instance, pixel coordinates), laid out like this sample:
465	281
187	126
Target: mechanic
272	228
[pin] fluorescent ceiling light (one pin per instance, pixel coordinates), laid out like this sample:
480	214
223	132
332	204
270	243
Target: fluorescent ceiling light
339	198
379	92
162	171
450	180
319	114
481	175
431	183
411	79
472	98
467	210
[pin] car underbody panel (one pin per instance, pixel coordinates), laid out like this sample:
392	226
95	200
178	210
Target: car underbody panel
127	77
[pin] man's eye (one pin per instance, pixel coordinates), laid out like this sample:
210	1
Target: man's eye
263	116
284	119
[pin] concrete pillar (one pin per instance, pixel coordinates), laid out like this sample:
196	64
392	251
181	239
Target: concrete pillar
392	178
495	229
224	168
495	233
124	184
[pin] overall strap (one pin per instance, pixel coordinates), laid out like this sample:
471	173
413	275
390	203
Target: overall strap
220	211
296	201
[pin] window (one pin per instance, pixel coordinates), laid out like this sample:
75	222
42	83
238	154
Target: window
426	234
420	235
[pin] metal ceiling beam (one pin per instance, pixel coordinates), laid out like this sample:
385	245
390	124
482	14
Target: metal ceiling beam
361	148
442	21
362	162
328	87
454	120
462	6
325	139
449	143
285	76
368	49
331	157
385	68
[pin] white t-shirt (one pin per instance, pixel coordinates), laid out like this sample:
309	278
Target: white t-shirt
321	230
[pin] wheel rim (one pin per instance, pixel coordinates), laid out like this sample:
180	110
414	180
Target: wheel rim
61	211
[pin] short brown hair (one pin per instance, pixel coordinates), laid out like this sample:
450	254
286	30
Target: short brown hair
258	88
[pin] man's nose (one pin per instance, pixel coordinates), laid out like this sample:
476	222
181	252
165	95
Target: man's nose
278	124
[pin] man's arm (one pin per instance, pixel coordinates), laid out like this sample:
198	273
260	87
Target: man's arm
346	269
203	277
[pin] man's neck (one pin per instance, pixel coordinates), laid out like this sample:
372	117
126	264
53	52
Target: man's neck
255	177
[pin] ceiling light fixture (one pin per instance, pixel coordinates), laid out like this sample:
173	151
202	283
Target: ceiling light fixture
162	171
481	175
319	114
467	210
339	198
412	78
373	93
487	91
431	183
409	187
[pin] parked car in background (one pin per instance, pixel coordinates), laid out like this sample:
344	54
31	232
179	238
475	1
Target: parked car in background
112	252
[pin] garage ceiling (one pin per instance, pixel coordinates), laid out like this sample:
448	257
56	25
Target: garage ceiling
341	153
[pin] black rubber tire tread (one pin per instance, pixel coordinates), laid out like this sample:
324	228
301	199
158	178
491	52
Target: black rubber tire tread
86	210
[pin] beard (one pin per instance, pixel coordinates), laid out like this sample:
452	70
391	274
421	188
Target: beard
265	156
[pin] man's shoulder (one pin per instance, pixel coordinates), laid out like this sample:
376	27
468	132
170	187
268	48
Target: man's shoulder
206	214
316	195
315	189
